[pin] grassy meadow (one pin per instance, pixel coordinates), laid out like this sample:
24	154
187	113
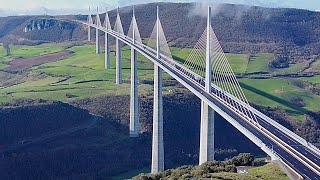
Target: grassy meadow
83	75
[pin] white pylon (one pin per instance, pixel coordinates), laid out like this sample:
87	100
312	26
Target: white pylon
89	26
107	39
98	23
207	113
119	29
134	104
157	164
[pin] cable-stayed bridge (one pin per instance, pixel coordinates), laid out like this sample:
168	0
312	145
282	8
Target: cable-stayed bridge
208	74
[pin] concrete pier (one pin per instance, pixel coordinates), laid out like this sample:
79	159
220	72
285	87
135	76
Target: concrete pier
89	33
107	41
207	113
89	27
206	134
157	138
97	42
134	101
134	104
118	63
157	164
107	51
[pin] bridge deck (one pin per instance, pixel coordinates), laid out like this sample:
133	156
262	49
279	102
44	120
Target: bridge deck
303	159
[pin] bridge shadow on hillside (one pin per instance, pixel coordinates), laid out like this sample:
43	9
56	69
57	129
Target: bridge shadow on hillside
180	60
295	109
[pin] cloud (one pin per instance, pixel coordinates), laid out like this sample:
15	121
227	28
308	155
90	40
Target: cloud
217	7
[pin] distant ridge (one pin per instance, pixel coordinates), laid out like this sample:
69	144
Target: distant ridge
240	28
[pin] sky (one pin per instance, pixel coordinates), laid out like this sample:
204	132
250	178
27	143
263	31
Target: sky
54	7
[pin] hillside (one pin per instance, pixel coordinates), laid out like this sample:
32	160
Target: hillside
42	137
63	117
239	28
220	170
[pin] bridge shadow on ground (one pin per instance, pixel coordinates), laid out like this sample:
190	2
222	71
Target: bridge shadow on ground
180	60
295	109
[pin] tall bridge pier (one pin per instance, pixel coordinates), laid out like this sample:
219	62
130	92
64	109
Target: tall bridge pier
157	164
89	27
207	113
89	33
107	39
97	33
107	51
221	94
134	104
118	62
118	52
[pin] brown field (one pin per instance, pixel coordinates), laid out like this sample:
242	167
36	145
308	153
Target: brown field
19	65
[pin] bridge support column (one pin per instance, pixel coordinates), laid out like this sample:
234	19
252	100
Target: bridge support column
89	33
206	134
134	105
157	137
207	114
97	42
118	62
107	52
89	27
157	140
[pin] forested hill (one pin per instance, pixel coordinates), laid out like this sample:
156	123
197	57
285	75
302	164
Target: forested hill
237	26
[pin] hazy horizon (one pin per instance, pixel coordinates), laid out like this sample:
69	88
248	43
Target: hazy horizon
61	7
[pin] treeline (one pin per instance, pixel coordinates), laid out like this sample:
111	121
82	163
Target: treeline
28	119
202	171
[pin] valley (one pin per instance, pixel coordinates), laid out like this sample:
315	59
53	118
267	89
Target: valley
63	117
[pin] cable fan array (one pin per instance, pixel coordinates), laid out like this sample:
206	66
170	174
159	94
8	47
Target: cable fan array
134	28
225	81
164	47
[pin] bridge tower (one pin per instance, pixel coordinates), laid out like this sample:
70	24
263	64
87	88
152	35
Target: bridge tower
119	29
207	113
89	27
134	104
107	39
98	23
157	138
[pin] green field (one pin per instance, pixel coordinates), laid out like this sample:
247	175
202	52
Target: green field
316	65
268	171
314	79
259	63
277	92
83	75
293	68
238	62
39	50
19	51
